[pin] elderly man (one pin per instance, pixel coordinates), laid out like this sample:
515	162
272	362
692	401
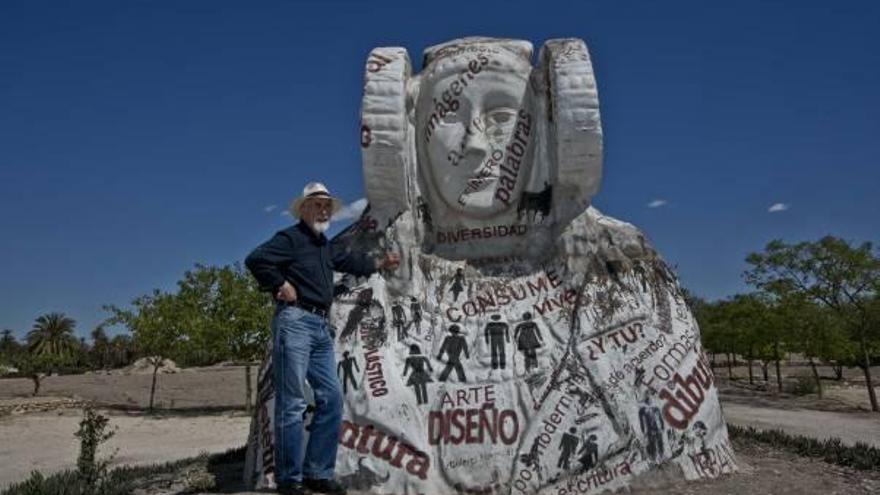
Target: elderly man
297	266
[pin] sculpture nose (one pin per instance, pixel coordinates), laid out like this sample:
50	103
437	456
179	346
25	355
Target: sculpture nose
475	142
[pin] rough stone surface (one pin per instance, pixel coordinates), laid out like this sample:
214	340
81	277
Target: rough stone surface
527	342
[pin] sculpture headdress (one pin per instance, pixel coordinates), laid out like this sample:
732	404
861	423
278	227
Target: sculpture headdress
568	142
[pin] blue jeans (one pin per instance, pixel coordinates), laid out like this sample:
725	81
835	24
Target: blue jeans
303	350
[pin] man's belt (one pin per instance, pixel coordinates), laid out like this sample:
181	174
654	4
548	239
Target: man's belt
311	308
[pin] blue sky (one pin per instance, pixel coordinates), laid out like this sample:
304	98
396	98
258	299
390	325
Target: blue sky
138	138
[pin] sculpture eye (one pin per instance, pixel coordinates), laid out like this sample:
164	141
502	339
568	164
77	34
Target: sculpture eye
501	116
499	122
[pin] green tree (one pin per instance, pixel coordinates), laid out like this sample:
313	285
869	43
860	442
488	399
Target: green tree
230	317
750	319
198	293
242	313
833	273
122	350
819	336
9	347
158	322
717	332
52	335
38	366
101	352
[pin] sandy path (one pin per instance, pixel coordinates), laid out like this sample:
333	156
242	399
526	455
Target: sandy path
46	441
849	427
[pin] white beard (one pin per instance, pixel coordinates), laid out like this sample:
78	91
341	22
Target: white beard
321	227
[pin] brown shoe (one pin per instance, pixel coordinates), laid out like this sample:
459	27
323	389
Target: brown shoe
331	487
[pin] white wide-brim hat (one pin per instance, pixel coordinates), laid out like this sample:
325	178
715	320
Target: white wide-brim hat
314	190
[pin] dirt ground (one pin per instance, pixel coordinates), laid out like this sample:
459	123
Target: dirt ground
764	471
843	412
45	441
216	388
202	410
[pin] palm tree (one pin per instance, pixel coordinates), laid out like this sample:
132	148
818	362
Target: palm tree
122	351
100	348
52	335
7	340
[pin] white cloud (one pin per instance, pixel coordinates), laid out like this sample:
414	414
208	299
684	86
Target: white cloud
285	213
777	207
351	211
657	203
269	208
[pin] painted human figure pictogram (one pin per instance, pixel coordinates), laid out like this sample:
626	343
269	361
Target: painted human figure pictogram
567	446
415	314
398	319
453	346
424	213
497	334
589	453
421	373
344	368
528	338
457	284
652	426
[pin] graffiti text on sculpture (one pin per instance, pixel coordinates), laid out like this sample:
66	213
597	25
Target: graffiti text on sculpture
634	364
514	154
549	426
463	235
449	98
673	356
500	296
266	438
618	338
387	448
712	461
455	50
689	394
472	424
373	368
594	479
376	62
477	425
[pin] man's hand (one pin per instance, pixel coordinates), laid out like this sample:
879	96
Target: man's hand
390	261
286	293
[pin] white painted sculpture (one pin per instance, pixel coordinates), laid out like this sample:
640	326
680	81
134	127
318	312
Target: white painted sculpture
527	343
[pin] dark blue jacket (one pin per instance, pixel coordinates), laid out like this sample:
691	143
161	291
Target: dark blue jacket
307	260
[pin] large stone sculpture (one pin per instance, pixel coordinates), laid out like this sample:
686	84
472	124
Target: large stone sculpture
527	342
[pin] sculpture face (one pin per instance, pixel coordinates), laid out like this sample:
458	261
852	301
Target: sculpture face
474	132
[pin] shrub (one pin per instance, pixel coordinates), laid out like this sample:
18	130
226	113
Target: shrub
92	433
122	480
803	385
859	456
